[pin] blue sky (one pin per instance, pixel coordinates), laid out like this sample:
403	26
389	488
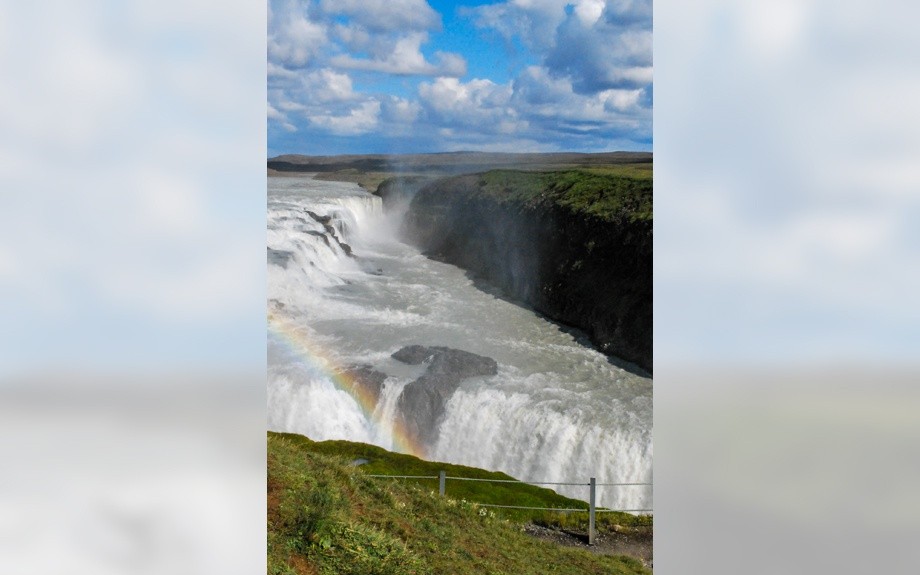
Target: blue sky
401	76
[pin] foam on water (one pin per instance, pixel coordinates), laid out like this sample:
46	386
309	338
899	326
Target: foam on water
557	410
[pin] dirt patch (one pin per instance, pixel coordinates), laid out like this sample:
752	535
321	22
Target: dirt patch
302	566
273	501
637	545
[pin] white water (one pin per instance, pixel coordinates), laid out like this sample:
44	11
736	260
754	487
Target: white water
557	410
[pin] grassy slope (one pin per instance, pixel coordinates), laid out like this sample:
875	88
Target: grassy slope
610	194
611	176
325	516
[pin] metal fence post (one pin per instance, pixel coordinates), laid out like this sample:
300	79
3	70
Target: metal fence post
441	481
591	500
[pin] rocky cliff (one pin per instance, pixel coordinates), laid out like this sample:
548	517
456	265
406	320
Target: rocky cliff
574	245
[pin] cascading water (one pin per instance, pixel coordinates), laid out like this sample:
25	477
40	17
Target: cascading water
344	292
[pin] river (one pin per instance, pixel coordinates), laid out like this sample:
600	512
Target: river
557	410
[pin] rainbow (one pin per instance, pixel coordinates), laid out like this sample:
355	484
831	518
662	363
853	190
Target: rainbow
323	361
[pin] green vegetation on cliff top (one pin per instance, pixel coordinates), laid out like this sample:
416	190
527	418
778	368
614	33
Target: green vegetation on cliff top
326	516
606	194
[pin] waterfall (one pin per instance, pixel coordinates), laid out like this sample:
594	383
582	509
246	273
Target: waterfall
348	293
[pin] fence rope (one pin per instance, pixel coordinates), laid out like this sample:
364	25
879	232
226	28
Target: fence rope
534	508
505	480
565	510
515	481
406	476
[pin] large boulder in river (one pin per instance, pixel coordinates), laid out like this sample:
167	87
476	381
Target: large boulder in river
422	401
447	361
365	381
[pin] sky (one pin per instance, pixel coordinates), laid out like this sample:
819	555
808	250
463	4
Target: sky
410	76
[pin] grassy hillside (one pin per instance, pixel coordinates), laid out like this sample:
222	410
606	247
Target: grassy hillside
608	194
326	516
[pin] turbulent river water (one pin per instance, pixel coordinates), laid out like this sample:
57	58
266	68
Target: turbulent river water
344	291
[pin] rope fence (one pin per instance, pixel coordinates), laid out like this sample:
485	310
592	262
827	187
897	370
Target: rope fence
592	509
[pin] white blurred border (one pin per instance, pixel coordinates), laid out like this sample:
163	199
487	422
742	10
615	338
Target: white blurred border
787	265
132	282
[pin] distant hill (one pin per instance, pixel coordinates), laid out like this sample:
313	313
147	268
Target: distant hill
451	162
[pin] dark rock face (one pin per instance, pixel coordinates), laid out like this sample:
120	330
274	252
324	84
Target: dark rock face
366	379
318	218
330	232
412	354
279	257
399	190
578	269
422	401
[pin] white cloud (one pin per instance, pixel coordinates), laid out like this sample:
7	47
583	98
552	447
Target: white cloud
404	57
450	64
400	110
327	85
540	95
294	40
598	44
589	11
274	114
630	10
584	95
359	120
607	53
620	100
278	72
533	21
385	15
477	99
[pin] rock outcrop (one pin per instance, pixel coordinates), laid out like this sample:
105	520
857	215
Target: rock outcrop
422	401
365	380
398	191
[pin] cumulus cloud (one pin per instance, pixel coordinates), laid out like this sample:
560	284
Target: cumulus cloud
554	104
534	107
326	100
400	110
385	15
293	38
356	121
405	57
598	44
591	88
534	22
603	54
314	47
478	102
327	85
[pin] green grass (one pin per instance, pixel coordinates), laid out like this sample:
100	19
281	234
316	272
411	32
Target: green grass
640	171
606	193
326	516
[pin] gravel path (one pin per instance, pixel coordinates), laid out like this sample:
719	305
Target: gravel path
634	545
